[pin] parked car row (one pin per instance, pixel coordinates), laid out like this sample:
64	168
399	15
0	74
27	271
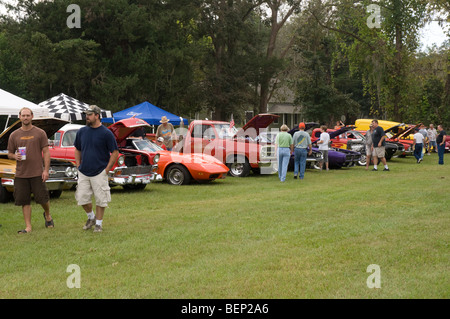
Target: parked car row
207	150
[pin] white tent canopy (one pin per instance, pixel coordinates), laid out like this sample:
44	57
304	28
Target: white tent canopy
11	104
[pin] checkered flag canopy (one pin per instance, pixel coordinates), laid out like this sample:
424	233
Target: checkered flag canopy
68	108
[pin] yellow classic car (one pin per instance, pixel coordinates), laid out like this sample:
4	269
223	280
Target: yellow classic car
62	173
363	125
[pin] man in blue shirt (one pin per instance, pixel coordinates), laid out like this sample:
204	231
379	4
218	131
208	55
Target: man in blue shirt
96	152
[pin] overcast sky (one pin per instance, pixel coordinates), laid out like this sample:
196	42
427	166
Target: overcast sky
432	33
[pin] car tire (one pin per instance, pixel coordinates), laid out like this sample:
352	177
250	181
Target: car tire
134	187
55	193
363	160
178	175
5	196
238	169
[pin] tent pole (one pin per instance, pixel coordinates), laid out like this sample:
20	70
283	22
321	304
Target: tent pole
7	121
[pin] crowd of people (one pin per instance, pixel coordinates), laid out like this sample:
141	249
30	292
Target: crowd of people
429	140
425	141
96	151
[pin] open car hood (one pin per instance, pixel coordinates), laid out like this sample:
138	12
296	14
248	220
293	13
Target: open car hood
403	134
49	124
124	128
339	132
308	126
396	129
258	122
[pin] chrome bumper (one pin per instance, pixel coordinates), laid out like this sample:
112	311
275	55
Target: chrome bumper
133	175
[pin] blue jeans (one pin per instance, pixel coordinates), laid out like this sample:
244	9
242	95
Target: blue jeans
441	150
284	155
418	151
300	155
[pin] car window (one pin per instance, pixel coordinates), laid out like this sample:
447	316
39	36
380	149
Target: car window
56	138
69	138
203	131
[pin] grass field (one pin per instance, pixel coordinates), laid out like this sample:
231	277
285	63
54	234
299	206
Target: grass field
248	237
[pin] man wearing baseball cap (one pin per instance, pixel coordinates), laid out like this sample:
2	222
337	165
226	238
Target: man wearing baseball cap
302	141
96	152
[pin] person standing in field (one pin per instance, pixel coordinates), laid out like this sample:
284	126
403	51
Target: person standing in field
440	141
423	131
284	148
378	147
368	145
96	152
418	145
323	142
432	133
301	141
32	168
167	132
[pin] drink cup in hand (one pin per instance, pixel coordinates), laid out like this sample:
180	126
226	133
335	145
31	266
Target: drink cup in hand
23	152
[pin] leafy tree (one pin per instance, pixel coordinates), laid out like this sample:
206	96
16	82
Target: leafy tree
11	76
321	79
233	60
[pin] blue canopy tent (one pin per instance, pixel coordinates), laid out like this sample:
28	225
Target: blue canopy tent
147	112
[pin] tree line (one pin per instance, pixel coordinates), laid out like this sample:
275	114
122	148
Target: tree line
229	56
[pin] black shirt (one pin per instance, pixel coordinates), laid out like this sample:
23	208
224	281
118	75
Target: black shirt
440	137
377	134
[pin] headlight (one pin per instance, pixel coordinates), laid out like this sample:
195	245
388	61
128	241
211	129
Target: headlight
71	172
156	159
121	160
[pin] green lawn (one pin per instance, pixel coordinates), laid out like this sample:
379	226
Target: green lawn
248	237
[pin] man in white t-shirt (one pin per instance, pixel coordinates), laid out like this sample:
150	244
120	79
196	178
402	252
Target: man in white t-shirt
418	145
323	145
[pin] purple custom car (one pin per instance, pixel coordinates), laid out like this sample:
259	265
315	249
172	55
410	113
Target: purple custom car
337	157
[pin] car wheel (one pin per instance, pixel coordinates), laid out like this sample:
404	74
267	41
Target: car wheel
238	169
363	160
5	196
178	175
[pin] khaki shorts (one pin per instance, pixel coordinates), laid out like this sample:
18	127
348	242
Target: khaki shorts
95	185
379	152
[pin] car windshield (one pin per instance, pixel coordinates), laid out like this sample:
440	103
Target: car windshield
225	131
357	134
146	145
267	137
